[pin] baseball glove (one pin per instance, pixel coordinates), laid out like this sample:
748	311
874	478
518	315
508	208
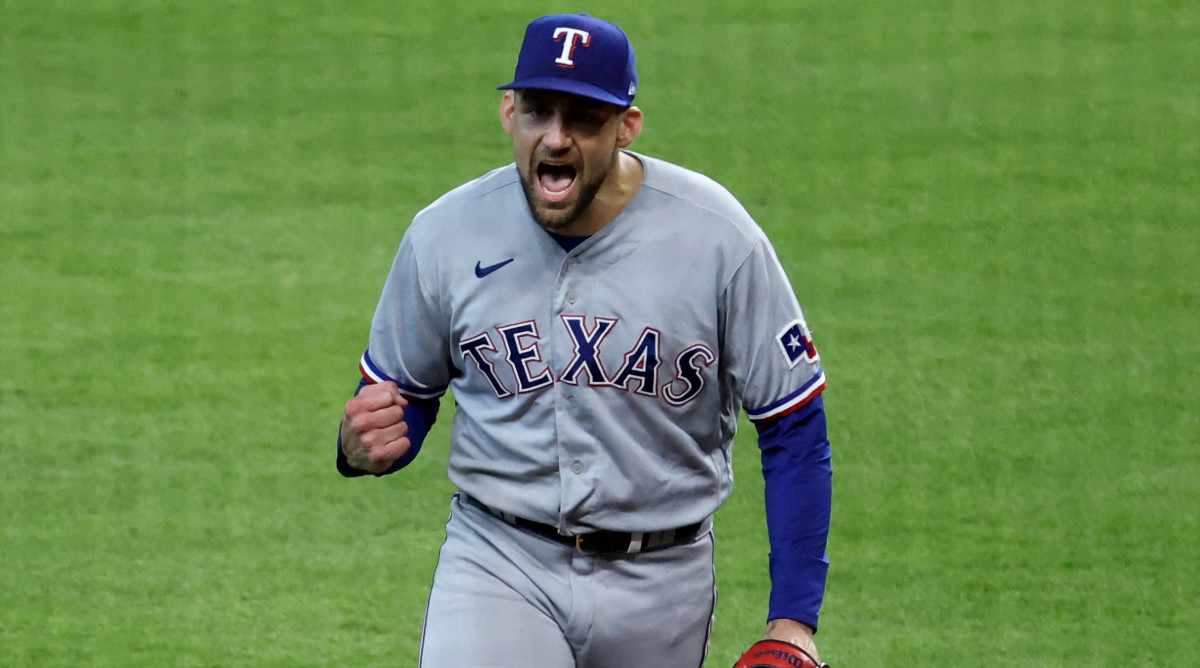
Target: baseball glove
777	654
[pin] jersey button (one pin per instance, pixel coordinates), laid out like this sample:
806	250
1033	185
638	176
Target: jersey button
571	298
576	467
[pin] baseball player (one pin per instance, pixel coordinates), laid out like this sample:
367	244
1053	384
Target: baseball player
601	318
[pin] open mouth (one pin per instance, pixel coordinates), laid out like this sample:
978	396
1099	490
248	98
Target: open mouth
555	181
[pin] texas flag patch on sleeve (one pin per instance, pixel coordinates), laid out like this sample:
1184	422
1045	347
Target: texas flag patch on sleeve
796	343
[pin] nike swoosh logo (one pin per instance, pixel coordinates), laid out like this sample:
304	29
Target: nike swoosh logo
480	272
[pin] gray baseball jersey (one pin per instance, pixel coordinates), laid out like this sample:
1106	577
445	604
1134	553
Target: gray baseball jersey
597	388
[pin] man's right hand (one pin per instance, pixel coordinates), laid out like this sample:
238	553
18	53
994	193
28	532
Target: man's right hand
374	434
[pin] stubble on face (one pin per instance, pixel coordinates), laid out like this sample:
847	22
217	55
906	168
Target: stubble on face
553	216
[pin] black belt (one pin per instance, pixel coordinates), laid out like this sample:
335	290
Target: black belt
602	542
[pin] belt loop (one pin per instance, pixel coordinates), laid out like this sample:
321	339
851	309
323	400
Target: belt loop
635	542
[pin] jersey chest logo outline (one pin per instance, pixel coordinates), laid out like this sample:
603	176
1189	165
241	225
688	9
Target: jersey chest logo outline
641	372
481	271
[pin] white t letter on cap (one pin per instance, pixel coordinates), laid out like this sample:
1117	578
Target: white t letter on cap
573	35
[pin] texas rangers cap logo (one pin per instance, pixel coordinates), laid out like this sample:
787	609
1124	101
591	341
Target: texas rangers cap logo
571	38
796	343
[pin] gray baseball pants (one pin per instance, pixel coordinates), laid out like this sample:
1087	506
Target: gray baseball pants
506	598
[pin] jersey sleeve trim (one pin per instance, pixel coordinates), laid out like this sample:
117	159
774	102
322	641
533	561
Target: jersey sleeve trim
370	372
373	374
791	402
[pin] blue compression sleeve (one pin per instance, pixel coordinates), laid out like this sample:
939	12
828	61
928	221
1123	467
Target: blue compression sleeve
420	415
797	468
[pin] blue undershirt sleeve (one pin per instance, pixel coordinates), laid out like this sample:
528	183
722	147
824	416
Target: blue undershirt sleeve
798	471
420	415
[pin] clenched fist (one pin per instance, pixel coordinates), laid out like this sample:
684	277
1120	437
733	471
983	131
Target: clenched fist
374	434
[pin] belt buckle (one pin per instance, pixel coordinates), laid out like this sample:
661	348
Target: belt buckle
579	544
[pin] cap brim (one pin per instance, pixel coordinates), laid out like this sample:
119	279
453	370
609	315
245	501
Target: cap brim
568	86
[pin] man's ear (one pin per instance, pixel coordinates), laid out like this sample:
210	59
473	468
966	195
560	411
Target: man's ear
508	107
630	128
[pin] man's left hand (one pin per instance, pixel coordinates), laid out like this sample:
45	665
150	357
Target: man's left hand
797	633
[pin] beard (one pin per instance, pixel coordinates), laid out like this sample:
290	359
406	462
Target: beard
557	216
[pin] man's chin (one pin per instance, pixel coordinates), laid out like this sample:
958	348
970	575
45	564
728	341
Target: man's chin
554	219
552	216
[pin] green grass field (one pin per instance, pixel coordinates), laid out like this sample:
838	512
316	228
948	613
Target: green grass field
991	212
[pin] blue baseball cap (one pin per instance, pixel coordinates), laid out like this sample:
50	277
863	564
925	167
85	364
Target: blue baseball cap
577	54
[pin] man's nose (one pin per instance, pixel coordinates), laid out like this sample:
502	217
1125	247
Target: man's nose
557	137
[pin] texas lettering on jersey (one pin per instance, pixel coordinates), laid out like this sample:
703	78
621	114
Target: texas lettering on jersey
519	346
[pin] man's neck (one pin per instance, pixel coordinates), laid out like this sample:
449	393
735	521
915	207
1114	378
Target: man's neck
618	189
